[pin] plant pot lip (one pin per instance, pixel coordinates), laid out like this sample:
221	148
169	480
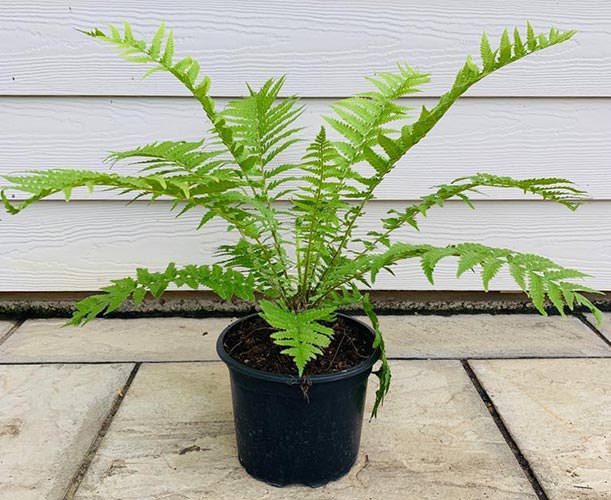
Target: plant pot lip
233	364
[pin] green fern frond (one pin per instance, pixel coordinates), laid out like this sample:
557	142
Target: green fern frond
536	275
362	118
160	54
319	194
471	73
172	156
227	283
263	125
383	152
383	373
185	188
300	332
553	189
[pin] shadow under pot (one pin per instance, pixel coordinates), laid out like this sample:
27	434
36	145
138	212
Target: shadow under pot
289	435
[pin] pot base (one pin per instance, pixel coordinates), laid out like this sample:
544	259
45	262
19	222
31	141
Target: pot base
316	484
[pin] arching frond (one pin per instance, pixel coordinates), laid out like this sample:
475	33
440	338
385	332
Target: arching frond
538	276
389	150
553	189
227	283
469	75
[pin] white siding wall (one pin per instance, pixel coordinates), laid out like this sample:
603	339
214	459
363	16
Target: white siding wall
66	100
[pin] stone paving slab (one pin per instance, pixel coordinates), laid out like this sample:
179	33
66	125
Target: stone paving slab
5	326
143	339
559	413
173	437
183	339
49	416
605	328
486	335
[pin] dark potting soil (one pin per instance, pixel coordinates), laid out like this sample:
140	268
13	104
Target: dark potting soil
252	345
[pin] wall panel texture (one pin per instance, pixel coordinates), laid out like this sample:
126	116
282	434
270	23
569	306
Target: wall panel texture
66	100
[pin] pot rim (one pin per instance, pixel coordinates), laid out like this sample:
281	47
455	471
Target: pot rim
233	364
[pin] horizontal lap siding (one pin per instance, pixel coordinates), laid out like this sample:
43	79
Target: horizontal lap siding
66	100
81	245
324	47
520	137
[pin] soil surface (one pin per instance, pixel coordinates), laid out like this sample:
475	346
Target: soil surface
252	345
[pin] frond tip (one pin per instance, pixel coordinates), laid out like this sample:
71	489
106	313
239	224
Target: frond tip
538	276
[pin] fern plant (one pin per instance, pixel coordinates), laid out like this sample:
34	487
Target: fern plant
303	263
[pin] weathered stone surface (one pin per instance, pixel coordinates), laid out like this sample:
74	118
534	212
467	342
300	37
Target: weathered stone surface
605	327
173	437
49	416
5	326
559	413
183	339
485	335
147	339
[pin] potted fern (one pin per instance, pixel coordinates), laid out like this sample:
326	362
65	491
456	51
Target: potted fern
298	367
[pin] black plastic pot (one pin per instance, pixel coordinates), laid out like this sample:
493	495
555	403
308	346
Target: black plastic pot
285	437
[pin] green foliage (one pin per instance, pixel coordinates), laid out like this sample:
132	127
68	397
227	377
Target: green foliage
302	263
227	283
171	157
302	332
263	125
553	189
383	373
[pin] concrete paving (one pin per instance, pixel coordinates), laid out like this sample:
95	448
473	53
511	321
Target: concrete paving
5	326
49	416
559	413
173	437
486	335
186	339
146	339
605	327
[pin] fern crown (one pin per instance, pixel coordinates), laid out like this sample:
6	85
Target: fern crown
304	261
